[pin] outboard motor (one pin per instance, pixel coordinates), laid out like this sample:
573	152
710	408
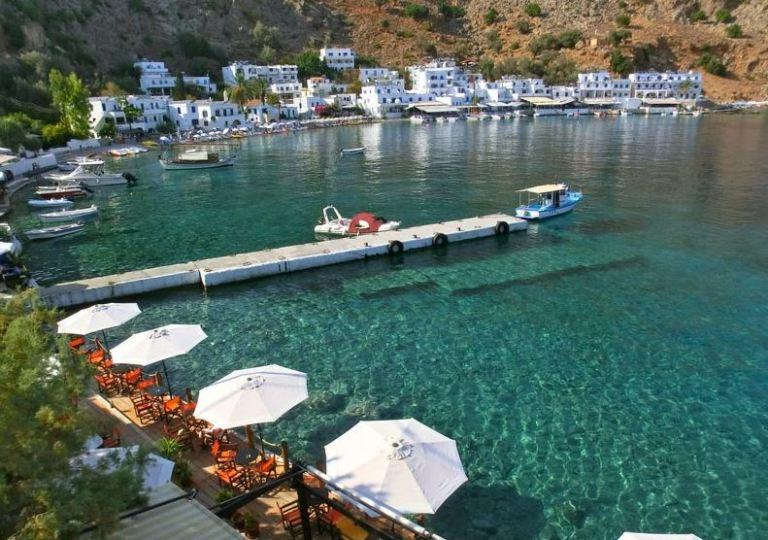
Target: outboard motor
132	180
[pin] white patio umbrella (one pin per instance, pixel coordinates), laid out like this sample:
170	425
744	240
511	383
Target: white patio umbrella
657	536
156	345
402	464
251	396
156	472
98	317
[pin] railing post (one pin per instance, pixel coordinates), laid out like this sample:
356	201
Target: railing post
284	455
303	502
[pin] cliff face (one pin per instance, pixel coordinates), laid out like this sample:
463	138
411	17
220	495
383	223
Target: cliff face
101	38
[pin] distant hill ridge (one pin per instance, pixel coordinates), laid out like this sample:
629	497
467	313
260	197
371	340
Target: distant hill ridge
101	38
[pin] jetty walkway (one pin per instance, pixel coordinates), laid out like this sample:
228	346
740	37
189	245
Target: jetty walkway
269	262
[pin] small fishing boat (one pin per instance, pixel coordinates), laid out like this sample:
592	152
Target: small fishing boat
350	151
54	232
71	215
49	203
548	200
333	224
9	243
60	192
196	159
90	173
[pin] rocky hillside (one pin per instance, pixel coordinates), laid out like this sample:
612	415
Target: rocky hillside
101	38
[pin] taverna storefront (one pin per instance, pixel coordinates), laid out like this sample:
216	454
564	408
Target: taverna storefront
546	106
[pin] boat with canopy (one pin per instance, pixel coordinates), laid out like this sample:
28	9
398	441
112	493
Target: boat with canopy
547	200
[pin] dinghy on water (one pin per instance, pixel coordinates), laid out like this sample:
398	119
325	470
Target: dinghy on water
71	215
49	203
549	200
333	224
54	232
350	151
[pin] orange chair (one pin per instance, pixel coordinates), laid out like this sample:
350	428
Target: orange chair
225	455
235	477
97	357
108	383
265	468
76	342
130	379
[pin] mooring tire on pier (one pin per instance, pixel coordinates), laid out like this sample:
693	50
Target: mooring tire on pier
502	227
439	240
395	247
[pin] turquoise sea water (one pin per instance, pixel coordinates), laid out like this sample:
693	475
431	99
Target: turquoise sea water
601	372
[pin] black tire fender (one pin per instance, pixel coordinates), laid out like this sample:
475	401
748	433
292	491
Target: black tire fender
502	227
395	247
439	240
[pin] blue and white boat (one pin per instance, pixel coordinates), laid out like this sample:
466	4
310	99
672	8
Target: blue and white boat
547	201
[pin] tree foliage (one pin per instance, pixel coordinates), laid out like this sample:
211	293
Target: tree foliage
532	9
310	65
723	16
130	111
450	11
416	11
16	131
41	494
70	97
713	64
491	16
620	63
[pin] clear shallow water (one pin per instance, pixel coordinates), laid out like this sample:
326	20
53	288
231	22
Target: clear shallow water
605	371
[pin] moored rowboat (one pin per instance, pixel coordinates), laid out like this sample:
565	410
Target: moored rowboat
49	203
71	215
54	232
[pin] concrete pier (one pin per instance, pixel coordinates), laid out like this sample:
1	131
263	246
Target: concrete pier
240	267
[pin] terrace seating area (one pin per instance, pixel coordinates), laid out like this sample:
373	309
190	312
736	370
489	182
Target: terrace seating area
220	459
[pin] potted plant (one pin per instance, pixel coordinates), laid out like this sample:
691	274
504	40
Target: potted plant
250	525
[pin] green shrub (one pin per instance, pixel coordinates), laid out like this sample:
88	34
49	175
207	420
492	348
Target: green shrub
107	131
619	63
622	4
193	45
224	495
494	41
734	31
712	64
182	474
524	27
491	16
416	11
532	9
384	23
698	16
723	16
449	11
569	39
169	448
617	37
623	20
55	135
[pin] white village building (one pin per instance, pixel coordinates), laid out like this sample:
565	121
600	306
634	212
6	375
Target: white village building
372	74
106	109
273	74
204	114
338	58
321	86
389	99
671	84
440	77
156	79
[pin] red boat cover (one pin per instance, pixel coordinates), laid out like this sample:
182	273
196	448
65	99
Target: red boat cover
373	222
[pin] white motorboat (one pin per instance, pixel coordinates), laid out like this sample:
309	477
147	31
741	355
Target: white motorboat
49	203
9	243
497	117
333	224
416	119
71	215
197	159
350	151
60	192
90	173
548	200
54	232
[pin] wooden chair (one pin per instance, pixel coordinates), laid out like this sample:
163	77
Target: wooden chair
108	383
224	454
97	357
235	477
130	379
265	468
172	408
145	408
76	343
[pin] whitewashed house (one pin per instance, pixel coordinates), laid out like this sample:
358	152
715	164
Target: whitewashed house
338	58
305	105
286	90
683	85
371	75
439	77
205	114
390	99
156	79
106	109
273	74
321	86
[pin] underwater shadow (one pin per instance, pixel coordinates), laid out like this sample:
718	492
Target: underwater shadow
489	512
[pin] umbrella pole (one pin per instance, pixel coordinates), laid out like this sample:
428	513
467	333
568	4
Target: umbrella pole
261	438
167	380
